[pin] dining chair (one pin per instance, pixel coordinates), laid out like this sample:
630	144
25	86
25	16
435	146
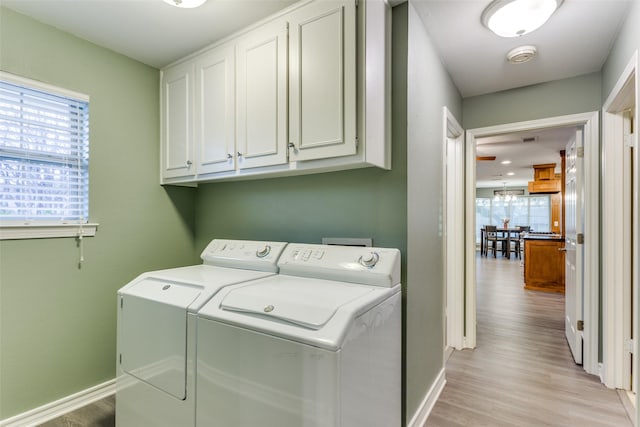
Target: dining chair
522	231
492	240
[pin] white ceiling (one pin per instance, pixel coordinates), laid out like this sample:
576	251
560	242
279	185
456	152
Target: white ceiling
150	31
576	40
545	149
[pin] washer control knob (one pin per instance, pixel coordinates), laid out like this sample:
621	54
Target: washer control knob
263	251
369	260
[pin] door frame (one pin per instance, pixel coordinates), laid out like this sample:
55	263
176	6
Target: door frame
616	264
453	226
589	121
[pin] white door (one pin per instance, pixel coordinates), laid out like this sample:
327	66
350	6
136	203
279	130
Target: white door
262	97
322	79
573	246
215	110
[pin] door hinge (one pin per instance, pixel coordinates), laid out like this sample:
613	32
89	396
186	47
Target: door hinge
629	141
628	346
121	302
580	238
121	358
580	152
580	325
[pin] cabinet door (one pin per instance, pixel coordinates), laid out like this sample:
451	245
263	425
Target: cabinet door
215	109
322	72
177	136
262	97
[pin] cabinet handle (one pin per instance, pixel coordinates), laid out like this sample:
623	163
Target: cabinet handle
189	163
229	156
291	145
562	249
239	154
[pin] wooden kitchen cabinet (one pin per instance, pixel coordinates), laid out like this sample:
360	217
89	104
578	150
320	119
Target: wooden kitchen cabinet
544	267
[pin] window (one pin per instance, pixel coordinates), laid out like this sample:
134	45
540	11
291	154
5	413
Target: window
44	157
534	211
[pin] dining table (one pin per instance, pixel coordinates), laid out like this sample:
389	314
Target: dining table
509	233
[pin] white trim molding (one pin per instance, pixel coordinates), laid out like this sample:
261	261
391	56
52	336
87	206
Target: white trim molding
589	121
618	202
453	226
62	406
423	412
46	231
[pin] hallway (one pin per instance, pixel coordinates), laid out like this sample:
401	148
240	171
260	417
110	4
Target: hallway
522	372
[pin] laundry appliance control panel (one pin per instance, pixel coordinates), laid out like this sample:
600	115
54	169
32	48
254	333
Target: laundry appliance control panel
365	265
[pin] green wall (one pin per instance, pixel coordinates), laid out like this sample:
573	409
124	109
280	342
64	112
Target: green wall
430	88
58	321
556	98
626	44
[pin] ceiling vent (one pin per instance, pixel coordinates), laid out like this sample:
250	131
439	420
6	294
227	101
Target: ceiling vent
530	139
521	54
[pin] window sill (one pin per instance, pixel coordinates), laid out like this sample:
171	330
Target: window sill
38	231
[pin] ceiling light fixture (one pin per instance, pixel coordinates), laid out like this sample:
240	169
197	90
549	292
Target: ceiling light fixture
505	162
521	54
185	4
514	18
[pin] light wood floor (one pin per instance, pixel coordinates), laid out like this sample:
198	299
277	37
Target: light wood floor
522	372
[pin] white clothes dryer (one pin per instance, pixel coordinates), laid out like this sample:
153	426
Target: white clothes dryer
317	345
156	332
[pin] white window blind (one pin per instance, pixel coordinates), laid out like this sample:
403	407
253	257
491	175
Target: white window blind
44	156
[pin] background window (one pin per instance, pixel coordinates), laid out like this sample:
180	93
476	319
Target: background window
44	156
534	211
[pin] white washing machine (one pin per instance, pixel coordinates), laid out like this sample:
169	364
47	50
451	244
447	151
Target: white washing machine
317	345
156	336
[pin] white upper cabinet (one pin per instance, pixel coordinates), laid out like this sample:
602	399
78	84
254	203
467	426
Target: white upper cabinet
306	90
176	119
262	97
215	110
322	80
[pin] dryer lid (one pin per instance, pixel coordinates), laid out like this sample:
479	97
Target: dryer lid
308	303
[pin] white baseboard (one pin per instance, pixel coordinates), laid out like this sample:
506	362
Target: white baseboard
421	415
62	406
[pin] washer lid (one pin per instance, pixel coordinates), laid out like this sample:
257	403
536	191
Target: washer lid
303	302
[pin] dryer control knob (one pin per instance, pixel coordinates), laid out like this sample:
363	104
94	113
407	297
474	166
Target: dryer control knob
263	251
369	260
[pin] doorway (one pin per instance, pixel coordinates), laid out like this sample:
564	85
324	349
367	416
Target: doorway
589	123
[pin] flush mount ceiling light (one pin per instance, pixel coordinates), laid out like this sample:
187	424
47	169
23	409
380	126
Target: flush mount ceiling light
521	54
514	18
185	4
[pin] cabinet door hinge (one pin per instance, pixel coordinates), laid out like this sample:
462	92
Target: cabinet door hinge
120	358
628	346
580	325
121	302
580	152
580	238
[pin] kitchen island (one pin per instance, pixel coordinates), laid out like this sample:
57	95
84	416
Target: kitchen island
544	263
